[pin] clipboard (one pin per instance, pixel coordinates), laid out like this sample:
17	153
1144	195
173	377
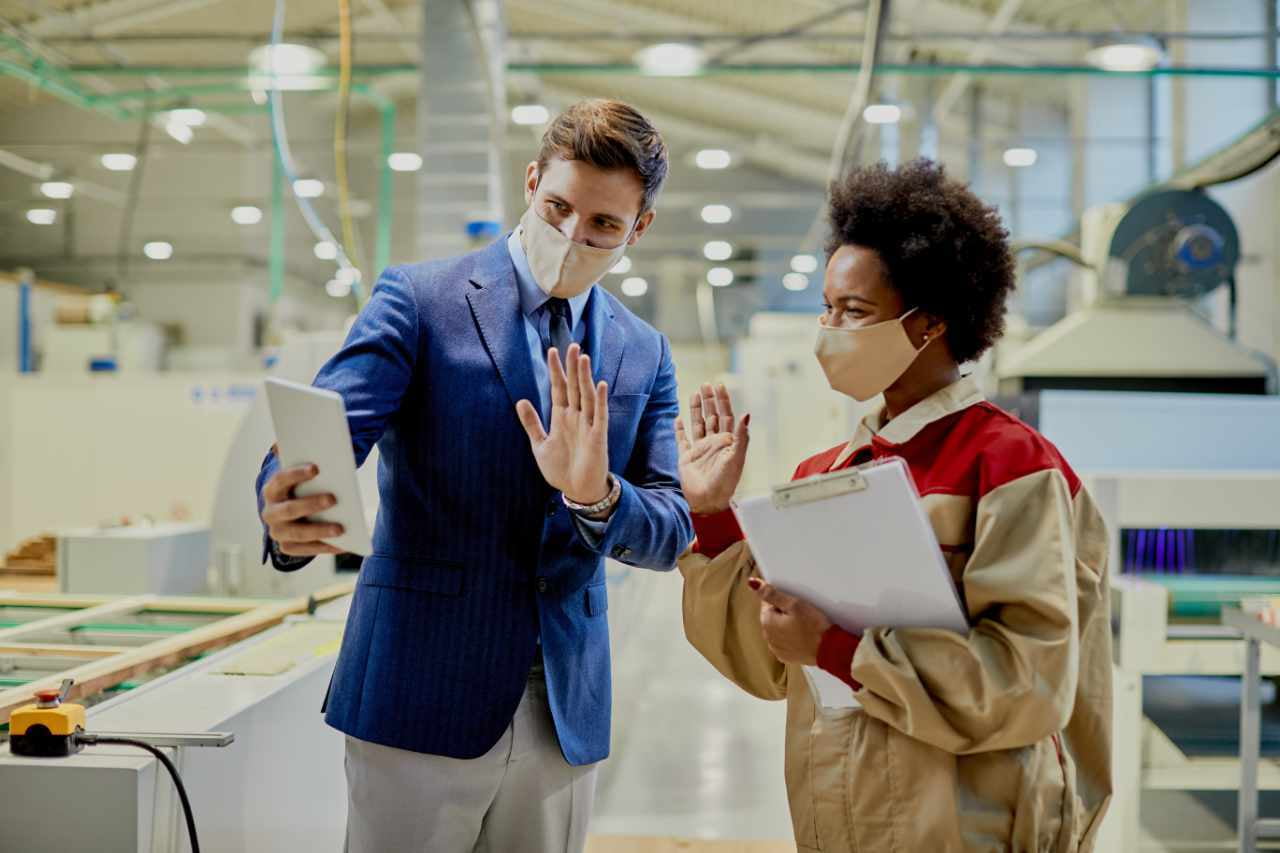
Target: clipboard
858	545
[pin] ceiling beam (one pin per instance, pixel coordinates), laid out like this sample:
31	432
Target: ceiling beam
958	84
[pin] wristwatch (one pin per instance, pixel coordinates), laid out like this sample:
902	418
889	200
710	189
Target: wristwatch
615	492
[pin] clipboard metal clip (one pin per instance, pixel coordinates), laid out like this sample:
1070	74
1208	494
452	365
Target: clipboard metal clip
819	488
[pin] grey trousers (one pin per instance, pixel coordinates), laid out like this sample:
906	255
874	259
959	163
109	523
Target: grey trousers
520	797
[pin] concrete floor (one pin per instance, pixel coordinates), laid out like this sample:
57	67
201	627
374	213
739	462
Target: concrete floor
694	758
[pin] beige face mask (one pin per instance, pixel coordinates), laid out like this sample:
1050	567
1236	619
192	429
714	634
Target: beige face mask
560	266
863	361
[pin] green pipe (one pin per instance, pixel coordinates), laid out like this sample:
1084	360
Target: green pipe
382	243
906	69
382	246
72	95
918	69
276	255
169	92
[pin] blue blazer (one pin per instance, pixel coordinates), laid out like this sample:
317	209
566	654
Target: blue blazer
475	556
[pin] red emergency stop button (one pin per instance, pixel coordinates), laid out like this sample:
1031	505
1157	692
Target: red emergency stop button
49	698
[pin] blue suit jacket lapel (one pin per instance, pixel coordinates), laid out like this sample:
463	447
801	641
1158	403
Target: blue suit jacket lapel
495	303
605	339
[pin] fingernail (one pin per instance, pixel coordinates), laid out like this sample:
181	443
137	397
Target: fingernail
746	419
314	469
754	583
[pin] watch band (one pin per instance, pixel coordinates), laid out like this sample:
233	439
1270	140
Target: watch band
615	492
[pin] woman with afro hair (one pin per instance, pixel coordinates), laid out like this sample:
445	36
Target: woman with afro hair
993	740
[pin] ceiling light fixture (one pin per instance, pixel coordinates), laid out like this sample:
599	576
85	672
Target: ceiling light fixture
325	250
1126	54
246	214
158	250
717	250
57	189
671	59
795	281
42	216
404	161
308	188
716	214
119	162
190	116
882	113
181	132
622	267
530	114
337	287
635	286
286	66
713	158
804	263
1020	158
719	276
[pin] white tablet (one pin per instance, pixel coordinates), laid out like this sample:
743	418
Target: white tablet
311	428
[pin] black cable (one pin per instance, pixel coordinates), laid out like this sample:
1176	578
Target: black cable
135	187
91	739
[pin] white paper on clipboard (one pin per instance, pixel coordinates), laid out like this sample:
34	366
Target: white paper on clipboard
858	545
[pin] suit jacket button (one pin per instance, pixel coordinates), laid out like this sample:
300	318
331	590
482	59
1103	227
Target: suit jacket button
542	584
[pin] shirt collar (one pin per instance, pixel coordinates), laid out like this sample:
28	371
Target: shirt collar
533	297
959	395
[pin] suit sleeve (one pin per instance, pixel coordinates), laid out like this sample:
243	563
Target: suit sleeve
650	527
372	371
722	619
1011	680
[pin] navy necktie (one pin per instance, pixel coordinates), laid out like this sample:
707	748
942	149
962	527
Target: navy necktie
561	335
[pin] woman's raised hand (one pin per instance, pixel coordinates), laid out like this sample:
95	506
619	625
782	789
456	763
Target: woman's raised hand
712	450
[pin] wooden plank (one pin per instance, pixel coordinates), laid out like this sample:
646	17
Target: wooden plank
211	606
26	599
169	652
657	844
67	620
70	651
18	582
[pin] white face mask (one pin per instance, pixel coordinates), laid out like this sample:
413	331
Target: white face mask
863	361
560	266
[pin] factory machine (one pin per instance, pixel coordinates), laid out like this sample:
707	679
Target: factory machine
91	682
1172	424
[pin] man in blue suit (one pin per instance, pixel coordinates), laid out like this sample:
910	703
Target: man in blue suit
524	419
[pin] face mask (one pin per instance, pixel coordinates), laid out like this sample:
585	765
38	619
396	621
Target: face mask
863	361
560	266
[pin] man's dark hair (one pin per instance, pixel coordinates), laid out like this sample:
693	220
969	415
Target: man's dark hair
945	251
609	135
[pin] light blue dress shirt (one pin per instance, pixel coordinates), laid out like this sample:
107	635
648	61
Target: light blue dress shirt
537	320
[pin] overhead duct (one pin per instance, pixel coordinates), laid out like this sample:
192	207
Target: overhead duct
461	122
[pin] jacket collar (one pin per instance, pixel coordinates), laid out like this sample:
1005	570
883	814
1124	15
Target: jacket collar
957	396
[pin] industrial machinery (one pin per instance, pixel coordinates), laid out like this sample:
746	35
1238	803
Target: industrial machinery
169	673
1149	267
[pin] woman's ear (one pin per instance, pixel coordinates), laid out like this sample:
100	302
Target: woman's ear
930	328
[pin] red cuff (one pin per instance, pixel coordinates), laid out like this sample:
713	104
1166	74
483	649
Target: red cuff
835	654
716	532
